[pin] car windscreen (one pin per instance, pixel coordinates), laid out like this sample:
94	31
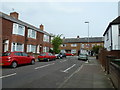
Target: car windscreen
5	54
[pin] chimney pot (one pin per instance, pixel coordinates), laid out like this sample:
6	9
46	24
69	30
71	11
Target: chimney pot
78	37
41	27
14	15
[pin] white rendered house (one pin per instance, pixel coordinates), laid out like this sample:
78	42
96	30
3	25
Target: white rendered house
112	35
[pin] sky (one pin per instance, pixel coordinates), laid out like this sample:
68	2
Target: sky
66	17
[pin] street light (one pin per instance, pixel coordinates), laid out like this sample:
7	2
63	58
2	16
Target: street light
88	39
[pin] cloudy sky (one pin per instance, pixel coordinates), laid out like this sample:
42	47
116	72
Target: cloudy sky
65	17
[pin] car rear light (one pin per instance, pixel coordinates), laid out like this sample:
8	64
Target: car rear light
9	57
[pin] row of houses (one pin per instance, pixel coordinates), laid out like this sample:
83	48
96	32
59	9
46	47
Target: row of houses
80	45
17	35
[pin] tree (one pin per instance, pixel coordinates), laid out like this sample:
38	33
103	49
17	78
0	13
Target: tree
96	49
56	42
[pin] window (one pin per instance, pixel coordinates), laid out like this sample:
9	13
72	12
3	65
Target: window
31	33
73	51
82	45
45	49
93	45
18	29
98	44
17	47
31	48
63	45
107	35
5	54
46	38
24	54
73	45
18	54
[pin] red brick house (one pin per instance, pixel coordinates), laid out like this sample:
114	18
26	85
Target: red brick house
17	35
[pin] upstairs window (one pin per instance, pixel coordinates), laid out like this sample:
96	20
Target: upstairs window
46	38
31	33
63	45
73	45
18	29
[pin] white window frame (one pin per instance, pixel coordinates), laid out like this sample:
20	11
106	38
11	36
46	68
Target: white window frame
46	38
17	30
31	48
38	48
31	32
73	51
45	49
73	45
15	45
82	45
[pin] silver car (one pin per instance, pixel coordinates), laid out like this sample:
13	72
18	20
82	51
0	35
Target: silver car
83	57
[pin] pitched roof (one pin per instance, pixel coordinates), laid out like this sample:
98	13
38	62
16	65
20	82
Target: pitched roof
114	22
83	40
5	16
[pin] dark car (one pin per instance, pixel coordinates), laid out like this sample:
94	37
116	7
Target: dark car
63	55
59	56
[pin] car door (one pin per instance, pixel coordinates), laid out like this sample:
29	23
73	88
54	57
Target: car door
26	58
18	57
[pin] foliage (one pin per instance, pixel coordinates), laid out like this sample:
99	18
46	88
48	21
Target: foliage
56	42
96	49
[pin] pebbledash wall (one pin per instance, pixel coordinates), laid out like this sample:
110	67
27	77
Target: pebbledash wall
21	36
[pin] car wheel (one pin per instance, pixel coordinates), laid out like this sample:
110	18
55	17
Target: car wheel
14	64
32	62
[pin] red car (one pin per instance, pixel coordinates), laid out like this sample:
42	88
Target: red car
14	59
46	56
69	54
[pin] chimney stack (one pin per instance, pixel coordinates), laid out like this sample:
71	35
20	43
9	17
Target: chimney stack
14	15
41	27
78	37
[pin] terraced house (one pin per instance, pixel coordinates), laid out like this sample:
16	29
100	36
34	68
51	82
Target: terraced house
78	45
18	35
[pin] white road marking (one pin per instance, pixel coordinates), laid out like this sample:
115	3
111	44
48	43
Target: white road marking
69	68
70	76
8	75
44	66
63	61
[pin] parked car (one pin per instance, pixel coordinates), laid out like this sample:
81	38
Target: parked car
69	54
59	56
83	57
14	59
46	56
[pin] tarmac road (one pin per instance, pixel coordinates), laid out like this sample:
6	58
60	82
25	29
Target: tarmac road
51	74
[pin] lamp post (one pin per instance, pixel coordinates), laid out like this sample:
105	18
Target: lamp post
88	40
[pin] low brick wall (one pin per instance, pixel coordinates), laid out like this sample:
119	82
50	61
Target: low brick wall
105	58
33	54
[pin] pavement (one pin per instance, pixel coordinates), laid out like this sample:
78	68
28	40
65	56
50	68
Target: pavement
89	75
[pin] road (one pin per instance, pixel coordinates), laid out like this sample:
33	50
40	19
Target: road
51	74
